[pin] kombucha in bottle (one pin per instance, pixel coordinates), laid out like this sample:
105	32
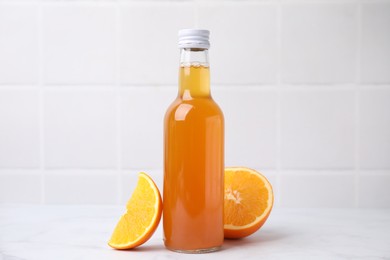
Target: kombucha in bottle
193	155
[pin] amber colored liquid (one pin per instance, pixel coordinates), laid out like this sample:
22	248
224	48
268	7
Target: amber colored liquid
193	166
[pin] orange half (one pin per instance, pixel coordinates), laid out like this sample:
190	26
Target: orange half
248	201
142	217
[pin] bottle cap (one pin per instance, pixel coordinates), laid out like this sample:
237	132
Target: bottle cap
194	38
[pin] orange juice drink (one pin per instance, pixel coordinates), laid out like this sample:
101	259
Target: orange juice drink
193	194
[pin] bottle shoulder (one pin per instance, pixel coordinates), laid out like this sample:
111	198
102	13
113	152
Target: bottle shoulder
194	108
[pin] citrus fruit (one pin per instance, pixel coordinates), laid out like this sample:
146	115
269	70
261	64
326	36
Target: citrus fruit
248	201
142	217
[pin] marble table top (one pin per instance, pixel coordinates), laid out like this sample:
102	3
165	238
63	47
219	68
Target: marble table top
81	232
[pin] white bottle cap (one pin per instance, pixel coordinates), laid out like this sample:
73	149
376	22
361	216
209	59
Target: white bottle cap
194	38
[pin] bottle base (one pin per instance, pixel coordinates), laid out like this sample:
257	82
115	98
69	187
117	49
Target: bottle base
196	251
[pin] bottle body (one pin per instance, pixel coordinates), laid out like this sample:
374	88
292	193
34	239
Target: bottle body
193	166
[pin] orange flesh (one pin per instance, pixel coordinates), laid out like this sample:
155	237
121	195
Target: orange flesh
141	219
248	201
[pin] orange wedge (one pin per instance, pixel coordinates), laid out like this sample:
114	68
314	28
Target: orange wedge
142	217
248	202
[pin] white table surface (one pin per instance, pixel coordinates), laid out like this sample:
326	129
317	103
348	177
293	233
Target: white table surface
81	232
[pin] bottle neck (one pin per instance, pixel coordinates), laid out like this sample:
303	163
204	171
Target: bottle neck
194	75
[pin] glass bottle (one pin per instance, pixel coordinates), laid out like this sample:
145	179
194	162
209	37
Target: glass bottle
193	155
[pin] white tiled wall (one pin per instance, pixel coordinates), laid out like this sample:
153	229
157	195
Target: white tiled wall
87	32
250	126
20	127
317	128
142	113
374	124
326	189
20	43
75	187
375	41
244	41
80	128
319	43
304	85
20	188
148	40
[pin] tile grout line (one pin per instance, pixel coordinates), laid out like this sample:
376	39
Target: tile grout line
357	146
41	105
278	103
357	104
118	115
306	87
22	2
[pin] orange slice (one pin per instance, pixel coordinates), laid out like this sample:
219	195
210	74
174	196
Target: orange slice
248	202
142	217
